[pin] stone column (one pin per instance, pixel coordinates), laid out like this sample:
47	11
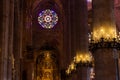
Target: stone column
10	40
1	19
103	19
18	37
79	36
104	27
4	55
81	29
7	39
67	32
81	26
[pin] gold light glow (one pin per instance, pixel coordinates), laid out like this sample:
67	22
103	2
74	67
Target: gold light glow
80	58
104	32
72	66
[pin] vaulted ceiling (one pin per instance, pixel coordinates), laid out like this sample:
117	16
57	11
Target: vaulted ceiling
34	3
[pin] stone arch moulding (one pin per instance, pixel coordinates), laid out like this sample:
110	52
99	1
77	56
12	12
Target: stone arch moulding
41	5
36	4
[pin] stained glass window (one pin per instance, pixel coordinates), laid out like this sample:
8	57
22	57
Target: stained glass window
48	18
89	0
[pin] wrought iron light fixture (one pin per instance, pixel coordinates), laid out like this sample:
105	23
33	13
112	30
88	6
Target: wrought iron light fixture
113	43
80	60
107	43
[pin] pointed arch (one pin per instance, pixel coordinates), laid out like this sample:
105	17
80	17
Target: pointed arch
38	2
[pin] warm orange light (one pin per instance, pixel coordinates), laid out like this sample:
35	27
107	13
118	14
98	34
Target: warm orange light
83	57
80	57
104	32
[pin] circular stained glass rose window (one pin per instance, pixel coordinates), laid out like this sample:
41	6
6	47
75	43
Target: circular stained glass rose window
48	18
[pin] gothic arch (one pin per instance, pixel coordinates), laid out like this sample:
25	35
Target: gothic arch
47	64
37	36
55	5
38	2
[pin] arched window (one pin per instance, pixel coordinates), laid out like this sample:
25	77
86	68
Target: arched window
46	66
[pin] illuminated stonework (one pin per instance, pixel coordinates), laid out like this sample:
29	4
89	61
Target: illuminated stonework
80	59
48	18
104	32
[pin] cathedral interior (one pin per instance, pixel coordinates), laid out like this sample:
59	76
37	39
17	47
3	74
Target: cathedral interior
59	39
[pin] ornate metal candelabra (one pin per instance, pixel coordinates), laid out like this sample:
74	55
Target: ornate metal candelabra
113	43
107	43
104	42
80	60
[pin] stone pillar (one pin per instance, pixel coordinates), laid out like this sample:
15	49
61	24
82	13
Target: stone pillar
1	19
103	19
4	55
79	30
7	39
104	27
104	65
10	40
18	37
67	32
79	27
